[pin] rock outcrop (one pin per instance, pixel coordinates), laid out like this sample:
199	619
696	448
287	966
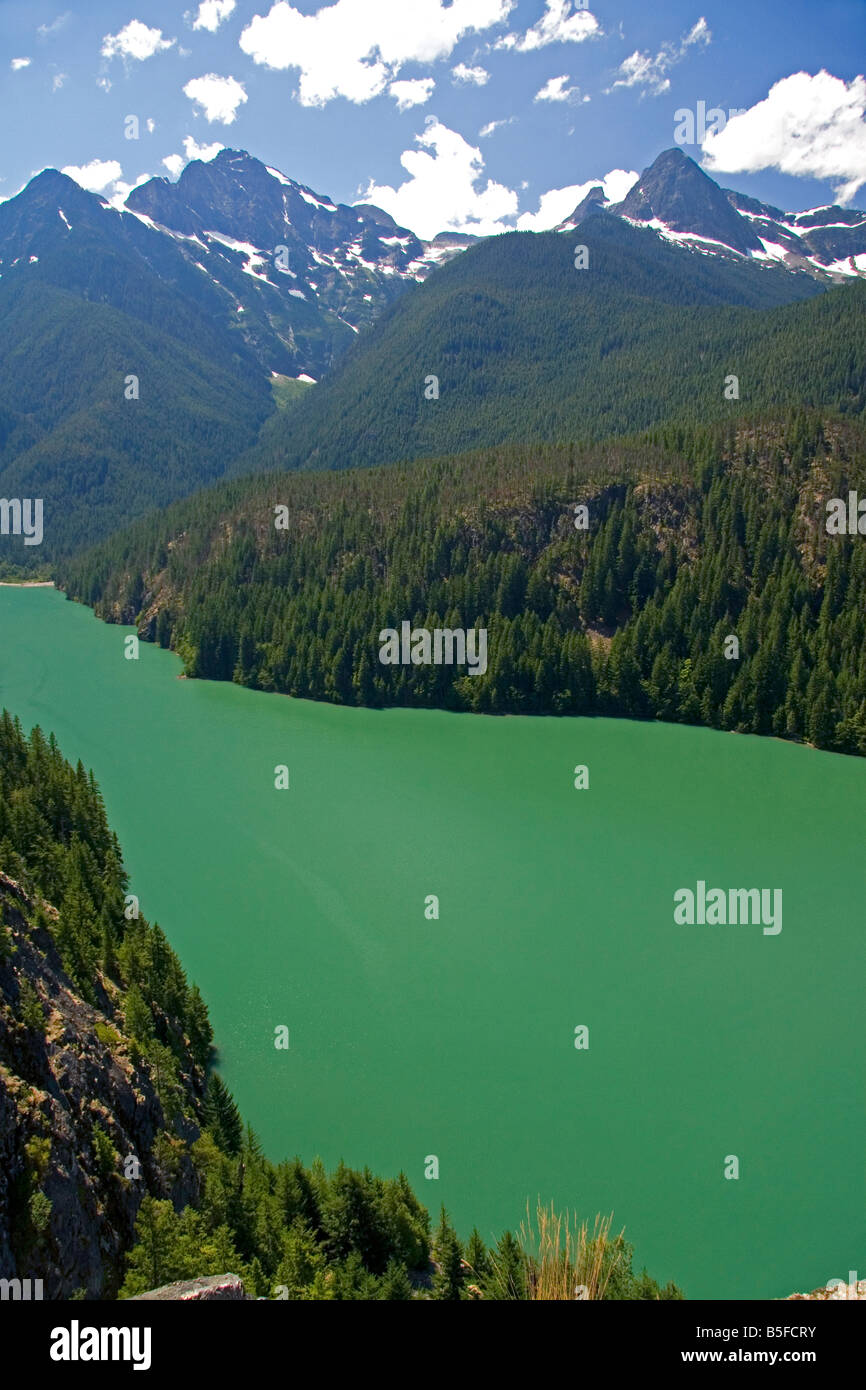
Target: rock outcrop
79	1117
218	1288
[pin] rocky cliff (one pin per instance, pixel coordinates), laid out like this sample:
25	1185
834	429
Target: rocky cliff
83	1134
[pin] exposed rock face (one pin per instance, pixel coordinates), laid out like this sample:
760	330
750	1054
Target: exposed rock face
218	1288
677	192
59	1084
594	202
683	204
290	275
343	263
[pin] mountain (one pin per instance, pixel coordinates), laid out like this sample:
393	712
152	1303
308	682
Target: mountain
683	205
91	295
89	299
510	343
150	350
677	193
288	257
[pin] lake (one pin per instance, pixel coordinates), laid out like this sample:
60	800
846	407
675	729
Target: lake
412	1037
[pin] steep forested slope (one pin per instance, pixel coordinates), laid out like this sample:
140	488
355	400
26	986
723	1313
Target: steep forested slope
526	348
694	535
88	299
99	451
102	1041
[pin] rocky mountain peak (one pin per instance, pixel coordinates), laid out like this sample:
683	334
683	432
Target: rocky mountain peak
676	192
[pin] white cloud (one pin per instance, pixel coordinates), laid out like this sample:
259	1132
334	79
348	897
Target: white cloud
411	92
135	41
441	192
205	152
151	125
58	81
617	183
560	23
174	163
95	176
644	70
808	126
211	14
355	48
555	90
18	63
218	97
477	76
121	190
495	125
558	203
43	30
104	83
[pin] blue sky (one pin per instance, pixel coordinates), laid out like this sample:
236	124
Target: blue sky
388	99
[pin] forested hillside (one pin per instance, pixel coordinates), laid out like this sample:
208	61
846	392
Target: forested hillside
72	433
121	1170
694	535
525	348
103	1043
120	388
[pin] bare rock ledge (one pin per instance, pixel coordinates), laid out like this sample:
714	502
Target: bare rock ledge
213	1288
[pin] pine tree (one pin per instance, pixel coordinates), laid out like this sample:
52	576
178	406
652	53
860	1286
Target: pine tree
507	1279
448	1280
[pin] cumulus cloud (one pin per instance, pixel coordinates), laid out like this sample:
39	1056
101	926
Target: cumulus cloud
444	191
558	203
651	72
476	76
18	63
174	163
121	190
556	90
95	176
135	41
560	23
205	152
218	97
355	48
211	14
413	91
808	126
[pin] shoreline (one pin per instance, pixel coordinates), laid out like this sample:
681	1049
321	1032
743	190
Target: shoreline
26	584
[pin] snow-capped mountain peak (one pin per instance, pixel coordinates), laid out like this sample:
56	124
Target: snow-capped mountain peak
682	204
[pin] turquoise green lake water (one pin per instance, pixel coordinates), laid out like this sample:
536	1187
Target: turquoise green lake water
455	1038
